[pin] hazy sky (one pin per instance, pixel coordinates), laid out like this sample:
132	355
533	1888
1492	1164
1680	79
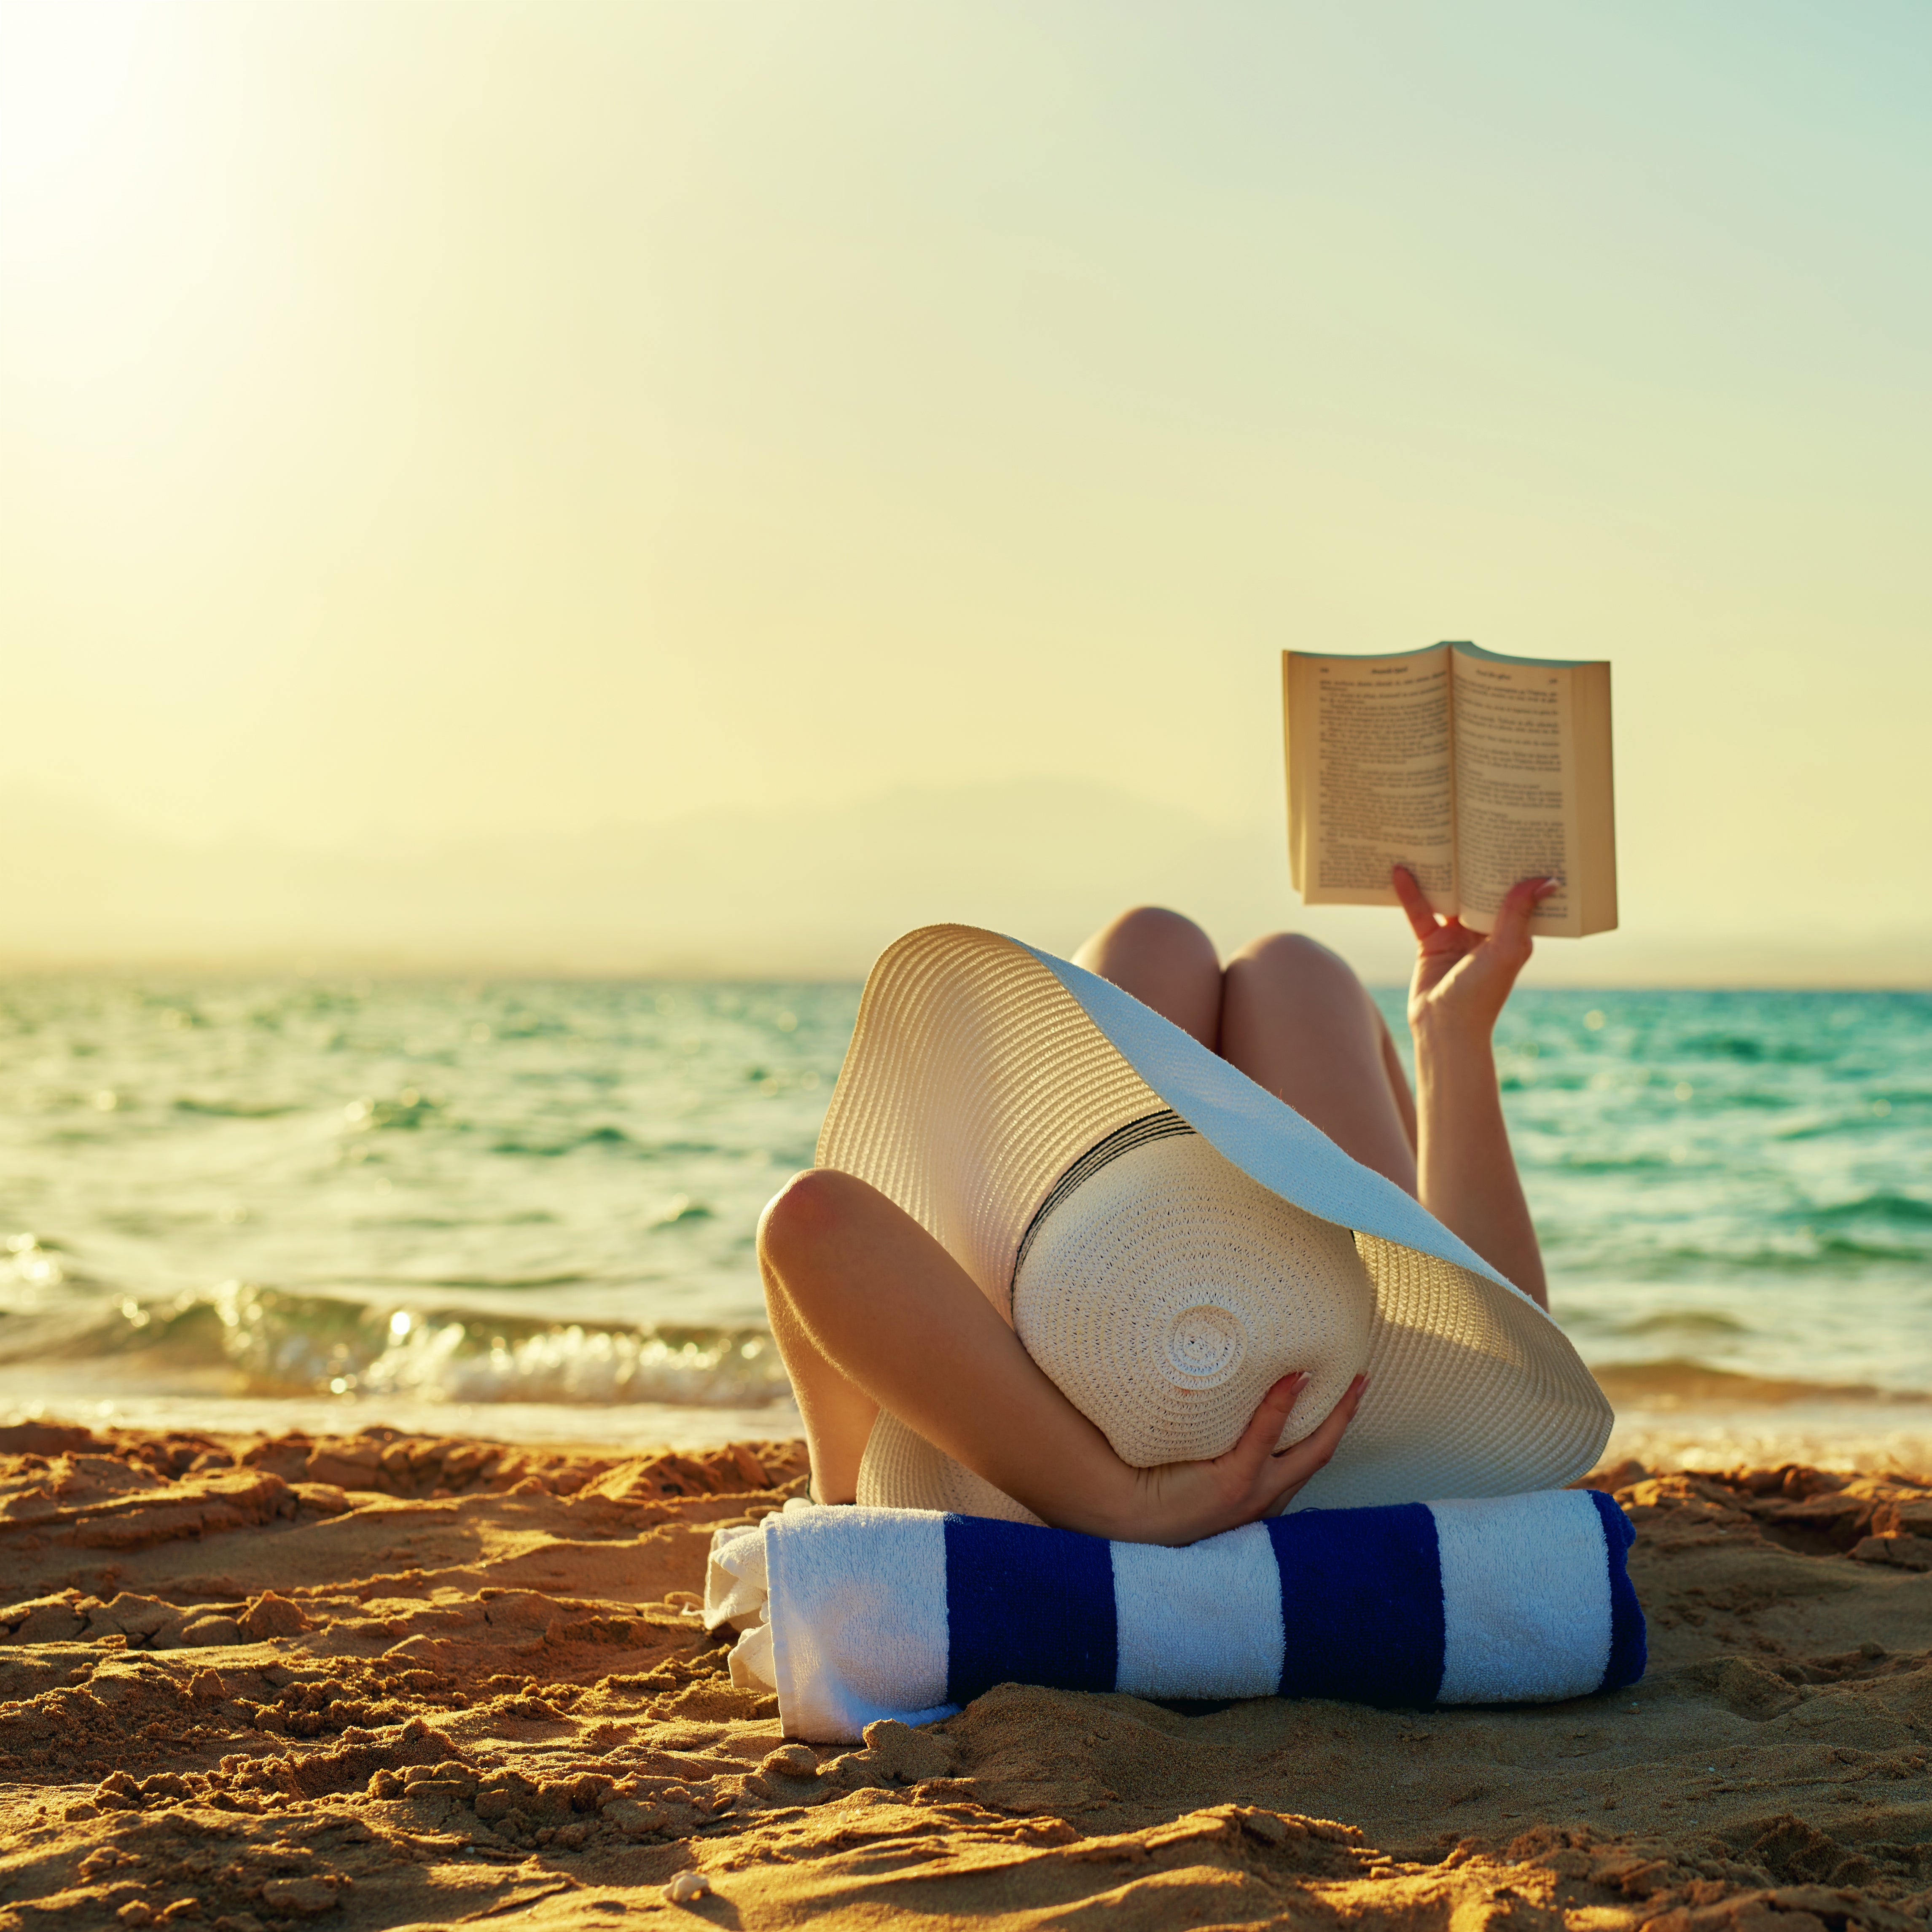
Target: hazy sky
422	421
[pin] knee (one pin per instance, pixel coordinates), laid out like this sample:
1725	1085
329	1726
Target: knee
1154	937
1166	961
1292	958
810	1210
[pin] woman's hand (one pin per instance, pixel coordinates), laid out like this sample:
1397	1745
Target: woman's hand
1463	977
1182	1502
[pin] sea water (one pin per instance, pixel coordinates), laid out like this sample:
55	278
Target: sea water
529	1209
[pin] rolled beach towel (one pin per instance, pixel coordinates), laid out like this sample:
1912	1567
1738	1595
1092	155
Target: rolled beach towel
854	1614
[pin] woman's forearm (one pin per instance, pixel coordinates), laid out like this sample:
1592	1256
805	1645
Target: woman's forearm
880	1298
1465	1172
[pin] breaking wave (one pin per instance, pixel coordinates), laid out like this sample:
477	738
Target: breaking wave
267	1341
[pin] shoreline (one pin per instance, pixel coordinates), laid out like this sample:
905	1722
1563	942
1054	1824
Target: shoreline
387	1681
1695	1430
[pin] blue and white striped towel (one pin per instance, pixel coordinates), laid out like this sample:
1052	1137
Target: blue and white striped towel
854	1614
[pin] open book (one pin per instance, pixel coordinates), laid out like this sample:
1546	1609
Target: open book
1472	769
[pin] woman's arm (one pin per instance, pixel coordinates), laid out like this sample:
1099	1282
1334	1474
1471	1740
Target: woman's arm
865	1303
1466	1175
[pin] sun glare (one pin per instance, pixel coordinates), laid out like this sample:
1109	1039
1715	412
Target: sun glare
106	190
76	104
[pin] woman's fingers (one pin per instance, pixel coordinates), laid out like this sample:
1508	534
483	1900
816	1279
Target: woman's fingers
1510	936
1184	1501
1288	1471
1519	903
1415	902
1256	1442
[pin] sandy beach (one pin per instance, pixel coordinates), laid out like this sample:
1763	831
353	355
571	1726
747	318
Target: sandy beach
382	1681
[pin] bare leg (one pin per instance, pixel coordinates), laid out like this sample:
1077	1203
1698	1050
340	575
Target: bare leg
1295	1019
838	1414
1166	962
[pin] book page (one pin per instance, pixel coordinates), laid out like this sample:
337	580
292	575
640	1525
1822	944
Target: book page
1533	788
1369	776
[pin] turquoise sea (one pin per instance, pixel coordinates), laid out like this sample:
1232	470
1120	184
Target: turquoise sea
527	1209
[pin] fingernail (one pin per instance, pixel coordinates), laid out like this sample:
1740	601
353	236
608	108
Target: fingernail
1549	886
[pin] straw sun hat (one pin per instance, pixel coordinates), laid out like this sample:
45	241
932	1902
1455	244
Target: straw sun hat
1169	1238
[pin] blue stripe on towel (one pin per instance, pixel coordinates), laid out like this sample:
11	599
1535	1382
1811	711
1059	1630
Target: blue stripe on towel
1628	1651
1361	1604
1028	1606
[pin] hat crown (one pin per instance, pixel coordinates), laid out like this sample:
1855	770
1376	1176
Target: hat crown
1163	1291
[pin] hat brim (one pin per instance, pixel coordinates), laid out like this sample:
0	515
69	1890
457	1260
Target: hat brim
980	1068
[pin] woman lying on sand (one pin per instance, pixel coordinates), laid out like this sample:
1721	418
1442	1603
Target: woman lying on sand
872	1312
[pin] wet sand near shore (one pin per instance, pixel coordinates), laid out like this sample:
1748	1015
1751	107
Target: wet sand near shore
384	1681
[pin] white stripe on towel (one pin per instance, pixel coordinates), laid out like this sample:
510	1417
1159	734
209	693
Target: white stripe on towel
1205	1621
1524	1591
851	1648
734	1578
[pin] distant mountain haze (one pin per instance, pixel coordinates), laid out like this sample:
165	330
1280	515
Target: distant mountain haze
814	892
